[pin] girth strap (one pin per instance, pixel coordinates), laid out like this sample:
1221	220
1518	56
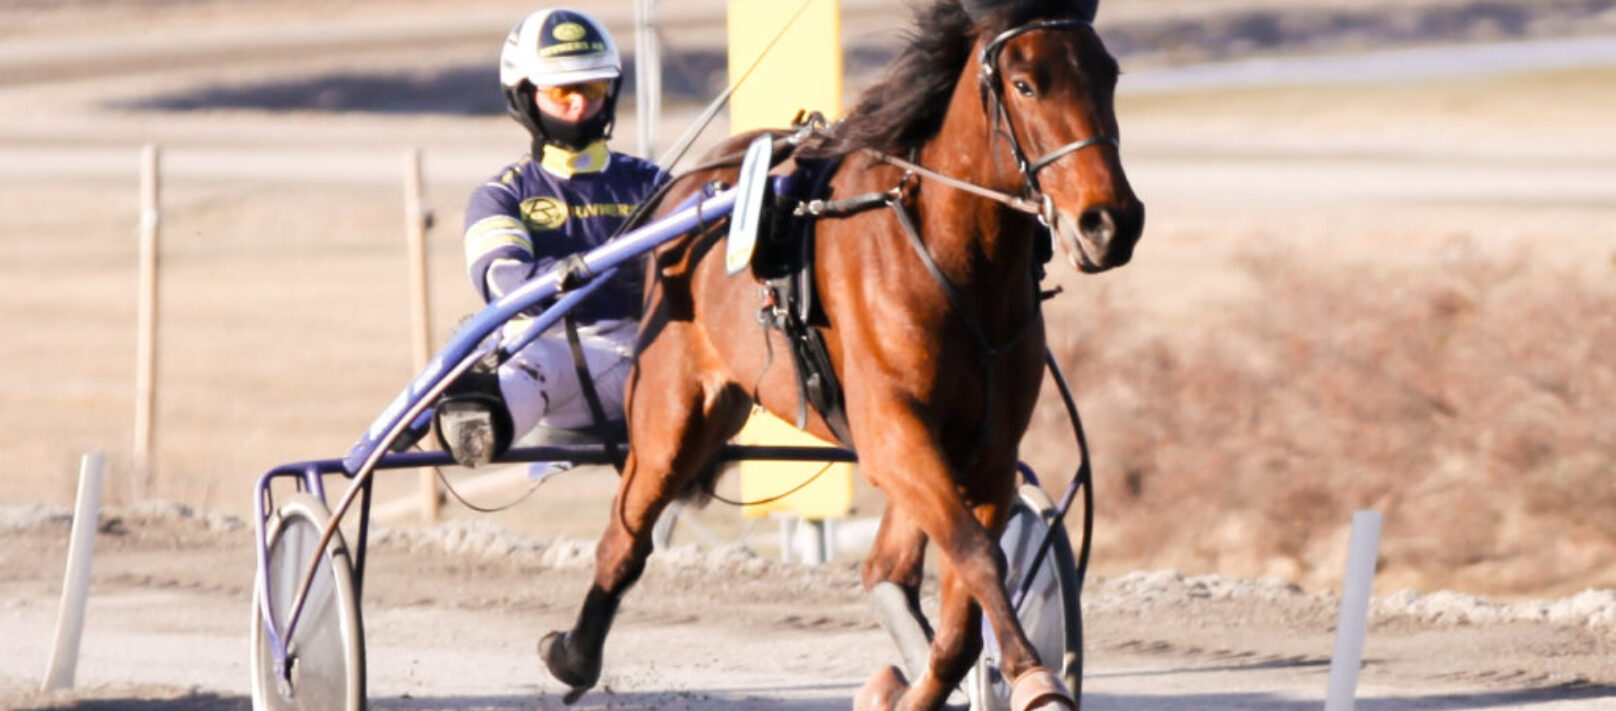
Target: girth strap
789	298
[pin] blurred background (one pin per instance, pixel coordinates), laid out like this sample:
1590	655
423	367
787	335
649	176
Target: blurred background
1377	270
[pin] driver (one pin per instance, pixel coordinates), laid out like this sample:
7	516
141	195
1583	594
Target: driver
561	75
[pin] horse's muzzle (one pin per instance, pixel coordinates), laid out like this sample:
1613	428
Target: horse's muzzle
1101	238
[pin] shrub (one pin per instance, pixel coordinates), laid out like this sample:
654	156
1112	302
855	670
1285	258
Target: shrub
1471	403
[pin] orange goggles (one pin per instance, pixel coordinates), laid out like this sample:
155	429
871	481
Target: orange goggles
589	90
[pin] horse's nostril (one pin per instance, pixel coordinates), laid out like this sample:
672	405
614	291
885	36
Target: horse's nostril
1097	224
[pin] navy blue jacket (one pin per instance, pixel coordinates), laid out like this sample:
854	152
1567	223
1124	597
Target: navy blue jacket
533	213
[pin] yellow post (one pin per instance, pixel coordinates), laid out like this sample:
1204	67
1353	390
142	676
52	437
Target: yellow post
828	496
802	70
790	53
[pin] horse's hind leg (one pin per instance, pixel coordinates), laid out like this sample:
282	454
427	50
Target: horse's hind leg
892	575
942	662
676	423
959	638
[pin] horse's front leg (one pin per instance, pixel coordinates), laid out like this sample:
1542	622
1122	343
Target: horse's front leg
574	656
676	422
909	466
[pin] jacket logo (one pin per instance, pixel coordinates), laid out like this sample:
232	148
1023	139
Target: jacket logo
544	213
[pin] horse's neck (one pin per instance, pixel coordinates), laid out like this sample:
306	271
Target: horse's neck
966	233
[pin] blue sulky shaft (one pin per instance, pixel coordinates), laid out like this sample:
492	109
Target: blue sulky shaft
472	344
602	259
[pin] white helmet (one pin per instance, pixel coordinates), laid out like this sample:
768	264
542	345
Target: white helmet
551	48
558	46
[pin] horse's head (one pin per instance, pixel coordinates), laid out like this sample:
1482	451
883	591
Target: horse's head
1048	83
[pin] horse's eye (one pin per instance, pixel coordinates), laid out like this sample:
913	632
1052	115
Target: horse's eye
1022	87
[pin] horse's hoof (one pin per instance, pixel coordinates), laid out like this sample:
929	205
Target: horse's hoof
567	667
881	691
1038	689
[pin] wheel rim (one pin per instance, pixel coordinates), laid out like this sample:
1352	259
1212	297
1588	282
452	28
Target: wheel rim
1042	612
319	652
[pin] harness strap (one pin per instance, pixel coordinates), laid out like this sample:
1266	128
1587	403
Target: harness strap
990	353
949	291
788	291
586	383
837	208
894	199
817	383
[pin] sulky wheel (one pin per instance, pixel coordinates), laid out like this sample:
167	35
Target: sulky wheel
1051	614
326	655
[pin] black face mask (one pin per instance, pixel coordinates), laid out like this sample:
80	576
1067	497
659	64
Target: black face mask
574	136
546	129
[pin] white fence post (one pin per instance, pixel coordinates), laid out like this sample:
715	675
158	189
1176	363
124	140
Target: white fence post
76	582
647	76
1363	549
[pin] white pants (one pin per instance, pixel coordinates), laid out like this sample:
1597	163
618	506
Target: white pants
540	384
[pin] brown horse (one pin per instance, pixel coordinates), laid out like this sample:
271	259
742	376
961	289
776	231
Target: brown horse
940	364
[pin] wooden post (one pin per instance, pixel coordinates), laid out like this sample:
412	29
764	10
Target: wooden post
146	323
416	221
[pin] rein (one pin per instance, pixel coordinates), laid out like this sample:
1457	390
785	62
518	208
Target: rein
1014	202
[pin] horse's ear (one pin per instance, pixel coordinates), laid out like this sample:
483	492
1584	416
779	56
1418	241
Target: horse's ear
978	10
1086	9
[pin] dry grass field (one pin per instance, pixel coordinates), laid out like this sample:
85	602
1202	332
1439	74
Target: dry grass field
1387	295
1410	312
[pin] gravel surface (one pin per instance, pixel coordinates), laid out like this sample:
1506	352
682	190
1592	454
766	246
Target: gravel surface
451	613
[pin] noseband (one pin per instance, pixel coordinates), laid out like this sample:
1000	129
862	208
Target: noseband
993	91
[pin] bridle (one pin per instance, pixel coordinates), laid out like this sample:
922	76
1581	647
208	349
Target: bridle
1032	199
993	97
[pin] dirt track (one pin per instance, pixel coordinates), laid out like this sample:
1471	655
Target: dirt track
272	219
451	616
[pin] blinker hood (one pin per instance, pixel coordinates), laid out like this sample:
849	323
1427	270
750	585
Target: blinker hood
978	10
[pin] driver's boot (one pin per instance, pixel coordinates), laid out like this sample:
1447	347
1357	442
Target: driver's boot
473	425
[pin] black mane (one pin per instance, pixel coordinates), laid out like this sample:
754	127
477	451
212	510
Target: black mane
906	107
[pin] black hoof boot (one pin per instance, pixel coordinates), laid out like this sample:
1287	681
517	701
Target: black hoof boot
567	666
